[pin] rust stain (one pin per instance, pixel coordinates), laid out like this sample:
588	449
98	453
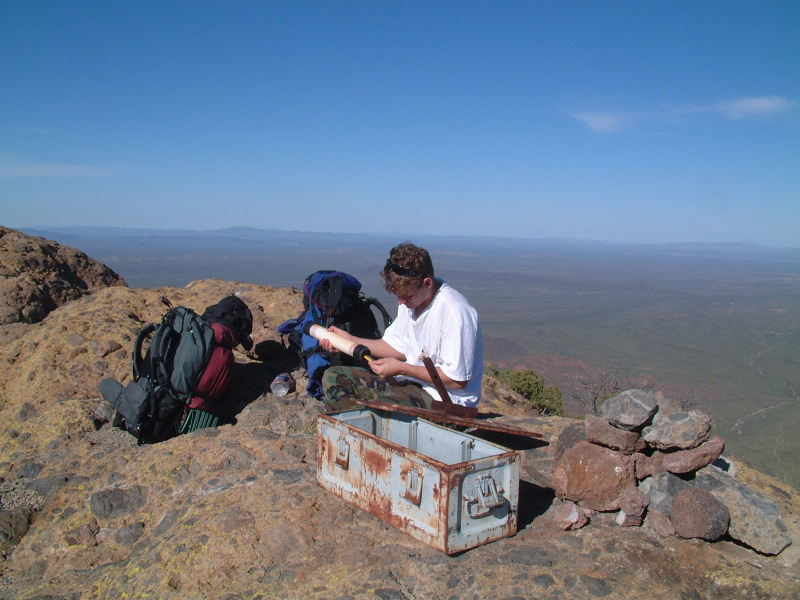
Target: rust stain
378	462
381	506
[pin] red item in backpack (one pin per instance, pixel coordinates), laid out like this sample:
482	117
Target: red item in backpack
217	375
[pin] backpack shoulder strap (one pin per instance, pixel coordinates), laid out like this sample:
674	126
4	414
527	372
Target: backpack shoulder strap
163	340
138	359
387	319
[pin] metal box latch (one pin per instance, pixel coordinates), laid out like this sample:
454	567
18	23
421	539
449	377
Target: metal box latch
342	453
413	487
487	496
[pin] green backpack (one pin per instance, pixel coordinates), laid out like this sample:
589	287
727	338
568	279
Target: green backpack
165	379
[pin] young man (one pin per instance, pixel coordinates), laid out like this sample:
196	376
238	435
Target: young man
431	317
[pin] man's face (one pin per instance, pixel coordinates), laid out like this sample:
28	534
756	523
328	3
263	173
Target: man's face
417	298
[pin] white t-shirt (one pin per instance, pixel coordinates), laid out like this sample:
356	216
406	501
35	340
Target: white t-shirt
449	332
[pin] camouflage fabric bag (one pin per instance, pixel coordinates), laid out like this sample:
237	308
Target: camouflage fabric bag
344	385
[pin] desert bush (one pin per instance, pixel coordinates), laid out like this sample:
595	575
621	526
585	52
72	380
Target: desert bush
530	385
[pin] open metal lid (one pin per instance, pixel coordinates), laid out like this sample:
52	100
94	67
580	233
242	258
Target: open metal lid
446	415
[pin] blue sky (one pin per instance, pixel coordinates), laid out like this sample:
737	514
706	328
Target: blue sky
623	121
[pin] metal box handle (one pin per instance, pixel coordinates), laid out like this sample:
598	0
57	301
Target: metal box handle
487	496
342	453
413	491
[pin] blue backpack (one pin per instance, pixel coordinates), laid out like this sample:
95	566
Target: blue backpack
331	298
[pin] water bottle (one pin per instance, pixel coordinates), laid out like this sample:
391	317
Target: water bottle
282	384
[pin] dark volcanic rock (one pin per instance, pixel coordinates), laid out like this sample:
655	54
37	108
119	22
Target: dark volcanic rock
679	430
14	525
662	489
630	409
118	502
37	275
698	514
129	534
755	521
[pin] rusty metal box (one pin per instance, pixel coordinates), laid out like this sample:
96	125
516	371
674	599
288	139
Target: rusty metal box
451	490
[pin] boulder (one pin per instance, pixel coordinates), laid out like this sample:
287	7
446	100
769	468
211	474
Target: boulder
680	461
662	488
600	431
698	514
632	503
593	475
667	406
755	520
659	522
630	409
569	436
679	430
569	515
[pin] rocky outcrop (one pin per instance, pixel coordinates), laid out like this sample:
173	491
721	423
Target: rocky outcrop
235	512
38	275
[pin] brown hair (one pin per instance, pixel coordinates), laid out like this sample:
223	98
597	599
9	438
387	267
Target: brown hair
407	267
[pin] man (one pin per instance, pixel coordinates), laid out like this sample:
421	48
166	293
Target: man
431	317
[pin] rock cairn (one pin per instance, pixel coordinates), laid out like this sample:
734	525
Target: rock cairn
653	463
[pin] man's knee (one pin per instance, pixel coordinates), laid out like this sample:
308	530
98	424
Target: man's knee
340	383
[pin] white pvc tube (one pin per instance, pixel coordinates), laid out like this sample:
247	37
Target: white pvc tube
337	341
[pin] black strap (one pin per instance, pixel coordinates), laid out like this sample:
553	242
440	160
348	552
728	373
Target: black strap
159	350
387	319
138	359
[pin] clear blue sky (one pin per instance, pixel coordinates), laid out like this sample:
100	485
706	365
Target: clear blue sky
628	121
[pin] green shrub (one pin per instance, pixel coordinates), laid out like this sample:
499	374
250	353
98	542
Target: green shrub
530	385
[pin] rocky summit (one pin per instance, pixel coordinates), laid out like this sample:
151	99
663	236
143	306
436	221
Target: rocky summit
37	275
234	512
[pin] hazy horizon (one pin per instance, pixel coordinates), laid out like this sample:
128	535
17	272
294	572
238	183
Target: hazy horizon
393	234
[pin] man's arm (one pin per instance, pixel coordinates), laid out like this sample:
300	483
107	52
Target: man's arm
388	367
377	348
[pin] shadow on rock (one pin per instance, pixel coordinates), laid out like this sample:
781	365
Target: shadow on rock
534	500
251	380
510	440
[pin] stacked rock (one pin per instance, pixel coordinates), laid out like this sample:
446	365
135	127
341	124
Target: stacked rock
651	461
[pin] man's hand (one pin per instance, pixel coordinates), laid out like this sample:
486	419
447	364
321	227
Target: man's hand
387	367
326	344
